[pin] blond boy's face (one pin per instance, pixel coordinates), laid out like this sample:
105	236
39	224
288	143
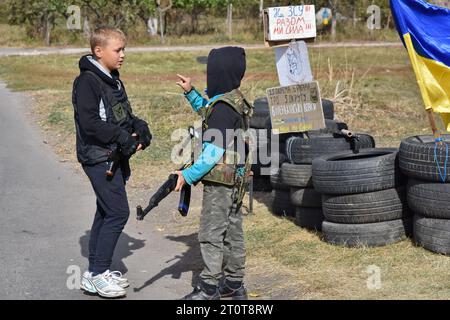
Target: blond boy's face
112	55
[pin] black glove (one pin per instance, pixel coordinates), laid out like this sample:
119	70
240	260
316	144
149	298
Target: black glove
144	135
128	144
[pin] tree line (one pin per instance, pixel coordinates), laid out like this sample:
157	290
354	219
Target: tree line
176	17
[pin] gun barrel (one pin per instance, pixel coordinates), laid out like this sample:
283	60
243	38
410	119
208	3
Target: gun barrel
162	193
347	133
141	213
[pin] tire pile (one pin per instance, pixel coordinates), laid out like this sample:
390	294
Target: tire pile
281	189
261	123
291	181
428	190
364	198
355	194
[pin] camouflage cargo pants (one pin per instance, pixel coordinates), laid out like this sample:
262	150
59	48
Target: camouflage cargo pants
221	236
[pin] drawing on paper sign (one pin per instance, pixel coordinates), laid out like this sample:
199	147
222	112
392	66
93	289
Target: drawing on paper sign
293	22
293	64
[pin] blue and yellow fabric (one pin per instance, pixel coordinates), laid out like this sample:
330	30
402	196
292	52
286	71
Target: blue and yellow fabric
425	31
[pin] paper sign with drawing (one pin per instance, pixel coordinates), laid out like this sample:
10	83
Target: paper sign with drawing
293	64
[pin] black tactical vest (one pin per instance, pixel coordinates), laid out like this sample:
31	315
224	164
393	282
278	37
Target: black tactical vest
118	112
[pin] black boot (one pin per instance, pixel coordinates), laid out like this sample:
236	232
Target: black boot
233	290
203	292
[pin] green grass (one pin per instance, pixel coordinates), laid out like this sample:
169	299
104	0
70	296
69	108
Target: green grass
382	99
323	271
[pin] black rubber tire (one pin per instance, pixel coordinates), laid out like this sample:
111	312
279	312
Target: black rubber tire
417	158
332	126
369	234
429	199
282	205
261	107
432	234
296	175
349	173
328	109
262	184
372	207
258	166
258	122
260	113
309	218
276	180
285	136
306	198
304	151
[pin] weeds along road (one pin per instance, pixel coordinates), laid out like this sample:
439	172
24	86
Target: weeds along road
47	51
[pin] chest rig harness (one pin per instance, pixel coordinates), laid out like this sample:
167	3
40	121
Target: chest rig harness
232	170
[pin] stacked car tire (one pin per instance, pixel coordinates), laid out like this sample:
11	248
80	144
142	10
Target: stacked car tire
301	151
364	197
261	124
427	166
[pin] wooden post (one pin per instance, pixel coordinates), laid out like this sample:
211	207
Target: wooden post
434	128
230	20
161	22
48	29
162	12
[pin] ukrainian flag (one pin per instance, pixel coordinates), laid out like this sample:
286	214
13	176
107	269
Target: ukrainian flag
425	31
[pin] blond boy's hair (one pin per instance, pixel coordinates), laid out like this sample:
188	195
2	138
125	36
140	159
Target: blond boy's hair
101	35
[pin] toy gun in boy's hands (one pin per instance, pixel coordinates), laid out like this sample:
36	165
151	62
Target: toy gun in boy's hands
170	185
163	192
114	158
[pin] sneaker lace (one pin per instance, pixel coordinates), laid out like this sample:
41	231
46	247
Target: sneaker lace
114	275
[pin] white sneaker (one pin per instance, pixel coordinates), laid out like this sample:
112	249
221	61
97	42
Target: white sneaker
86	283
106	287
118	279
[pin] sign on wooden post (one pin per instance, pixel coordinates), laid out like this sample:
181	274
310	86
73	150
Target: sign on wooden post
283	24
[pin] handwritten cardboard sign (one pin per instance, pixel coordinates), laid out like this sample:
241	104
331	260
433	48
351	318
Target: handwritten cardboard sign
293	22
296	108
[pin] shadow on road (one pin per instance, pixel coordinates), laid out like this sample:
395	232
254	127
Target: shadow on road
189	261
125	248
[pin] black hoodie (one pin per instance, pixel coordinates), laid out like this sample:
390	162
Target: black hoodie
88	97
225	71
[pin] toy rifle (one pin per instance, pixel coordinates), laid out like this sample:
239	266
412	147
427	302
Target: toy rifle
167	188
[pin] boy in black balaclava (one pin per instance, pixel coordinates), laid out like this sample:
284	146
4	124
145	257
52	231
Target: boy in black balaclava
221	234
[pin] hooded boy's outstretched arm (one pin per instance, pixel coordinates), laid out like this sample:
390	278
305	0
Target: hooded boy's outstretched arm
192	95
195	99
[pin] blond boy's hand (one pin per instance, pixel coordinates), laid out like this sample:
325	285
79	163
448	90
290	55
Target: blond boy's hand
185	83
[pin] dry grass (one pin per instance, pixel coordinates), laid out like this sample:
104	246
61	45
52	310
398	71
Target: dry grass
375	92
